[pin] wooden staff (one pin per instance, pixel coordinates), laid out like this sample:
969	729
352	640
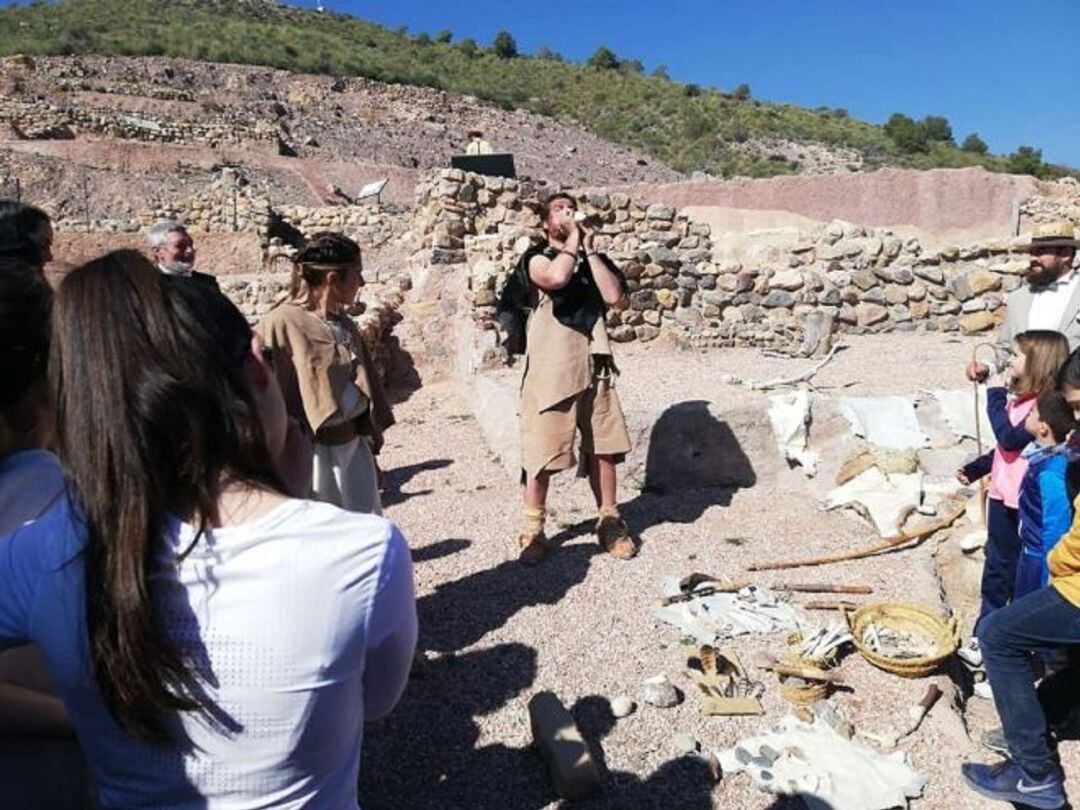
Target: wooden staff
884	545
822	587
978	429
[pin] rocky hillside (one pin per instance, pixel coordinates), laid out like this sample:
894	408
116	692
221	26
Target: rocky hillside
687	127
99	136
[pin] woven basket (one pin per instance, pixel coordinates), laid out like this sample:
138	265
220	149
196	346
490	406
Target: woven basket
903	617
805	695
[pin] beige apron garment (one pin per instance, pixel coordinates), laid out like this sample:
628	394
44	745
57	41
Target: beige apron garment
328	379
564	388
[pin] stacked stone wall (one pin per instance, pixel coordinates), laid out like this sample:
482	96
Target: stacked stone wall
40	119
864	279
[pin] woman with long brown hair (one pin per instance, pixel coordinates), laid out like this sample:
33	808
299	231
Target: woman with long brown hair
35	732
217	643
329	382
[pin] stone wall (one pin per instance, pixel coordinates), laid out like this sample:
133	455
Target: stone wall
39	119
230	204
234	229
861	279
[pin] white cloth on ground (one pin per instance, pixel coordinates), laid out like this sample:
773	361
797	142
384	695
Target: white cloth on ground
958	409
790	417
885	499
887	421
827	771
709	619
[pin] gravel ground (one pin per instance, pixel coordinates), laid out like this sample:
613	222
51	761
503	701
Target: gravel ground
493	632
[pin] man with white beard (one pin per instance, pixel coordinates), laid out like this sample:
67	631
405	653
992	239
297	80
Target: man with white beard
174	251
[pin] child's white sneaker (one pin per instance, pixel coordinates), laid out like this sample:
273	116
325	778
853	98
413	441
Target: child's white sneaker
983	690
970	653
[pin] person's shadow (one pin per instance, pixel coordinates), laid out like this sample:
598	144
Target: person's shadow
398	477
694	461
425	754
684	782
460	613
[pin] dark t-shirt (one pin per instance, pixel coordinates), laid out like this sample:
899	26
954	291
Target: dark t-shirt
579	304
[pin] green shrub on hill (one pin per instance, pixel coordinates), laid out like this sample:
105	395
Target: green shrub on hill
684	125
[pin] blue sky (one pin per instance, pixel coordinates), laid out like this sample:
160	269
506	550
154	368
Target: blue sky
1006	70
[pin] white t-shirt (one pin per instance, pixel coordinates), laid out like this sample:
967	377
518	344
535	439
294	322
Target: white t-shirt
300	624
30	482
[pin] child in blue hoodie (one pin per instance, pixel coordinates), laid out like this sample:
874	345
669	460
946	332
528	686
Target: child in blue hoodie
1045	510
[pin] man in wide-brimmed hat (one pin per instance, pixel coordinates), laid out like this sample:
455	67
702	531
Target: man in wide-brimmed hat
477	145
1051	297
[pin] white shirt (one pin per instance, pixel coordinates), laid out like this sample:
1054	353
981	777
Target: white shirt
1048	304
30	482
300	624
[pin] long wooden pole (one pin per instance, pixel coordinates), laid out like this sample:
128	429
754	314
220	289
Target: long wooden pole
890	543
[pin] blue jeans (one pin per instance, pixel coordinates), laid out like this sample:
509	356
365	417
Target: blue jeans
1002	557
1008	637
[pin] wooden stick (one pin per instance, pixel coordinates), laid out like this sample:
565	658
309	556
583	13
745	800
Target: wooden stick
822	587
762	385
807	673
831	606
890	543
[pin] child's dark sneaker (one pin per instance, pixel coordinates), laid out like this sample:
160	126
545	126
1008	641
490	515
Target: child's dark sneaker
1007	782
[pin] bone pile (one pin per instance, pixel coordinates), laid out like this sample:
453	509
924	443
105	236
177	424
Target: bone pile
897	644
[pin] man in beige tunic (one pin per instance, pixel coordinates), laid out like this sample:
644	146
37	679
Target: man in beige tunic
569	380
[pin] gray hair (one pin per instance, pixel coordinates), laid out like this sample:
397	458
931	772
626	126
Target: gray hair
161	229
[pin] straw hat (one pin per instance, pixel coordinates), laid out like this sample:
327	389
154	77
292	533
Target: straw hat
1053	234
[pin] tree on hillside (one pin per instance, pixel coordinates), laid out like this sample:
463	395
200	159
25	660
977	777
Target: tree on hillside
974	144
632	66
906	133
937	128
742	92
660	72
444	36
504	45
468	47
422	38
547	54
603	58
1026	160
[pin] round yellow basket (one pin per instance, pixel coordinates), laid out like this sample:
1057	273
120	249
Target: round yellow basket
944	635
814	690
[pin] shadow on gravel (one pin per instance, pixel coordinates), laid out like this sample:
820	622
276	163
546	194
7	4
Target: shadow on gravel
690	449
426	754
444	548
400	476
694	462
679	783
460	613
